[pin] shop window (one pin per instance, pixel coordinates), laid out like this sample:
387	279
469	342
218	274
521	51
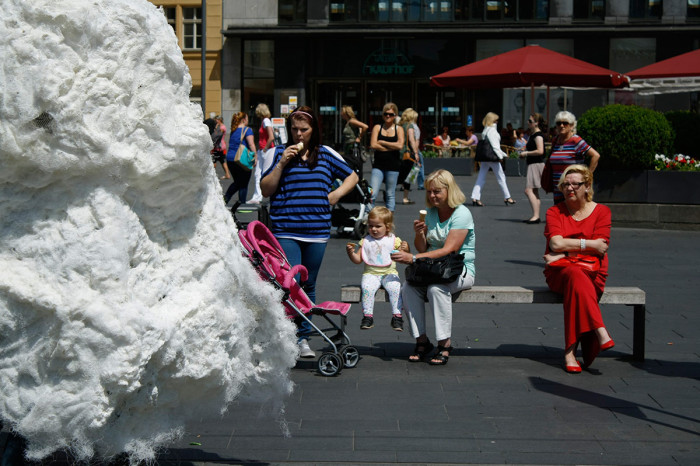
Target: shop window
646	9
693	9
589	9
192	28
292	11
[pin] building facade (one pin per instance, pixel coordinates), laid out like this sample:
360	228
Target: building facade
364	53
188	21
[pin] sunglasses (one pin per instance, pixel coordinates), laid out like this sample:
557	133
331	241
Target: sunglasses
389	114
563	123
530	120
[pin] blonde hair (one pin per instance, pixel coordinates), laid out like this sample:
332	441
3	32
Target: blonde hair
444	179
384	215
391	106
585	173
262	111
489	119
347	111
408	116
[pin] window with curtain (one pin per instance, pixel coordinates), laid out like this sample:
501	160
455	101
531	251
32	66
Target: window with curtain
589	9
344	11
291	11
646	9
192	28
397	11
693	9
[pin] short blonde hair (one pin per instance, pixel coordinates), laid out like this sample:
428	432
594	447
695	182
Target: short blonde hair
444	179
408	116
384	215
262	111
489	119
585	173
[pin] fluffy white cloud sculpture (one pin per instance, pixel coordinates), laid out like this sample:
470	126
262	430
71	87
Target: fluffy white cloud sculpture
126	306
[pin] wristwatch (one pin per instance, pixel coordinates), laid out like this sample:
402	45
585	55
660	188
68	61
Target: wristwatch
414	258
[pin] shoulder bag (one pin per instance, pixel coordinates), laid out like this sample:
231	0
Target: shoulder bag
546	181
426	271
245	158
485	152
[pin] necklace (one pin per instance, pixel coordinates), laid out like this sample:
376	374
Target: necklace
579	214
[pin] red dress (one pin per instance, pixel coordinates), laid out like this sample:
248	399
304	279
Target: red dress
581	291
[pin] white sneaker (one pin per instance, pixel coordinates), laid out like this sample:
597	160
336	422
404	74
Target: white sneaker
305	351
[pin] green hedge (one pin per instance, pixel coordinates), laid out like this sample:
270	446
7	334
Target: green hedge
626	136
686	125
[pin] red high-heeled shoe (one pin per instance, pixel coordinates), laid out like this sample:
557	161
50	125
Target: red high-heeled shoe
573	369
607	345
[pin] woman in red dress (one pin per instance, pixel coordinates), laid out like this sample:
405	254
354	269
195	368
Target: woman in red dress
578	227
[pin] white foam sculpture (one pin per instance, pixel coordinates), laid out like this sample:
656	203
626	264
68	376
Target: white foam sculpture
126	307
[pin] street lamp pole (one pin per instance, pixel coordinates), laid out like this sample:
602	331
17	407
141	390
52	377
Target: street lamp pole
203	47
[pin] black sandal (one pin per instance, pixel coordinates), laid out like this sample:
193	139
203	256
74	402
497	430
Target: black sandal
419	353
440	359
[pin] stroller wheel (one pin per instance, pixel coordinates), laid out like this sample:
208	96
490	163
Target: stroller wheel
351	356
329	364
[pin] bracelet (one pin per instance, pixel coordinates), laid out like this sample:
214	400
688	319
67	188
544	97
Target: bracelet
583	244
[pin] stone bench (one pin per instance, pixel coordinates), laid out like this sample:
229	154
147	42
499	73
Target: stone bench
627	295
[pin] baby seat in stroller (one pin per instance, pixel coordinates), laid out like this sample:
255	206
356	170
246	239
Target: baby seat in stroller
265	253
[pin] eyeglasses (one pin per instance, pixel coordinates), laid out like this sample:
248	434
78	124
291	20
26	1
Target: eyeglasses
574	186
563	123
389	114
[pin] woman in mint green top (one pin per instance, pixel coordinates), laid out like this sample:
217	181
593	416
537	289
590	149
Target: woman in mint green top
448	227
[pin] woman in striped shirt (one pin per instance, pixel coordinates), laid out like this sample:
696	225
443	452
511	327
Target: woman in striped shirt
299	184
568	149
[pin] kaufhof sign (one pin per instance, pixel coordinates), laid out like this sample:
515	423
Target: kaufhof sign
387	62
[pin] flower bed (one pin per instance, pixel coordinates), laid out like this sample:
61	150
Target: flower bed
679	162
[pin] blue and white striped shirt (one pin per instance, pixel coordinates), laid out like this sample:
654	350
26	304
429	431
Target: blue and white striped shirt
299	208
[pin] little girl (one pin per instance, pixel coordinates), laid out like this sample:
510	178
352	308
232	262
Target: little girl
375	251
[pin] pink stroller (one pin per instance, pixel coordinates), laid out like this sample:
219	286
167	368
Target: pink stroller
265	253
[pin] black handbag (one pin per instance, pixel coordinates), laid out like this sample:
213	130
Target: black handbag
426	271
485	152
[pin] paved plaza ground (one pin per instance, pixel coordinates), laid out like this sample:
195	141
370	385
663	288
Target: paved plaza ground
504	397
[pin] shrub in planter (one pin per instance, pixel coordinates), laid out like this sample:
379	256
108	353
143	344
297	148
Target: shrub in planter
686	126
429	154
626	136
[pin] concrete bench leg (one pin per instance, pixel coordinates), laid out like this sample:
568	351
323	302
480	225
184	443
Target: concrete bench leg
638	332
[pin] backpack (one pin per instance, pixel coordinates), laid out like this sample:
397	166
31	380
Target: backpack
216	137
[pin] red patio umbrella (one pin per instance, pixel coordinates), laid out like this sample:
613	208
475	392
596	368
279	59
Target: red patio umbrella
530	66
677	74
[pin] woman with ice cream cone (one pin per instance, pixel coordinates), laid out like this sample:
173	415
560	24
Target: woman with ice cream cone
298	184
447	227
